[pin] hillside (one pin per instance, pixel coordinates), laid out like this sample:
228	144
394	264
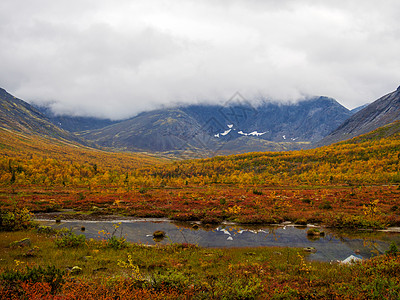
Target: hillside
16	114
381	112
388	131
34	159
370	159
216	130
158	130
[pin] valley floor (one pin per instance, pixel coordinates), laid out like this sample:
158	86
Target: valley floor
335	206
45	264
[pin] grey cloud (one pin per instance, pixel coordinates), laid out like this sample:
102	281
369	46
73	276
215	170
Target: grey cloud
114	60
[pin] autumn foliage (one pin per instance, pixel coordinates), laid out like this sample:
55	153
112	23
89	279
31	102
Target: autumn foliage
331	184
351	184
34	161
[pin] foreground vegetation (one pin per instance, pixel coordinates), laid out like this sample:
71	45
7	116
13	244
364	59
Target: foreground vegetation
66	266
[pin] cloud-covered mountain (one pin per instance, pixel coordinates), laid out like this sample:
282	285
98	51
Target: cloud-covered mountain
231	128
71	123
305	121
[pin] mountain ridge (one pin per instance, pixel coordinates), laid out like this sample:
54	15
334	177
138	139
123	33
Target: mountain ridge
18	115
381	112
211	128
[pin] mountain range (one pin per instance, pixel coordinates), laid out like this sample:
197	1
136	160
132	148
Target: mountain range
209	130
221	129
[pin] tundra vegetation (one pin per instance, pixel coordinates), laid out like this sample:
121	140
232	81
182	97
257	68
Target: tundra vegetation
352	184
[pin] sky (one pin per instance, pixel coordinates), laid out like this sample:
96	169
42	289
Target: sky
114	59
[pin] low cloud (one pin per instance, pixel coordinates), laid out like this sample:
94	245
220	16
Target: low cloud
116	59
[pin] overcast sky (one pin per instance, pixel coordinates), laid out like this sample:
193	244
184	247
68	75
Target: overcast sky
117	58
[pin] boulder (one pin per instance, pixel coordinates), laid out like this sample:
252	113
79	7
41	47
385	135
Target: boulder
26	242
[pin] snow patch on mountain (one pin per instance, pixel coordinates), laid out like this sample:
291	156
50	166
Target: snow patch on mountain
254	133
230	126
223	133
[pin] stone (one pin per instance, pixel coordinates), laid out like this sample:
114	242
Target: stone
159	234
315	232
76	270
21	243
310	249
32	252
46	230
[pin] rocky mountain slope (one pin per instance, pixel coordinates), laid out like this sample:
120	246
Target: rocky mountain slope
232	128
381	112
158	130
305	121
16	114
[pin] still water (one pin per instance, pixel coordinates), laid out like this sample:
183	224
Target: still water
335	245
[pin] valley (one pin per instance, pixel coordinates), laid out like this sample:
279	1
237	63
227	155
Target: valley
199	150
350	185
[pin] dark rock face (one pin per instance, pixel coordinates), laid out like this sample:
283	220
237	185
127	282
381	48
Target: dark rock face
381	112
306	121
236	128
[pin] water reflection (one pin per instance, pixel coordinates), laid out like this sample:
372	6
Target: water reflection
334	245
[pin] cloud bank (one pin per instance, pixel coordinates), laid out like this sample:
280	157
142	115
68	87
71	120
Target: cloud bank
117	58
